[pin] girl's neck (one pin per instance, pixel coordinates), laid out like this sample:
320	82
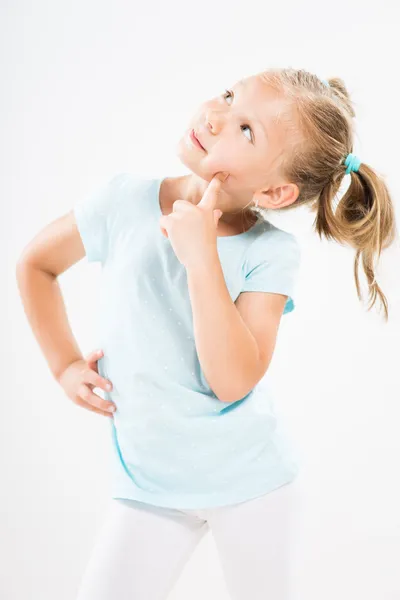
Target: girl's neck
230	223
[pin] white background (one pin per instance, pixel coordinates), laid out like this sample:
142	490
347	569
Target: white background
89	89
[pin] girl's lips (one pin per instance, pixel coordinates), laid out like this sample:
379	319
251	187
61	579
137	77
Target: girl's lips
195	140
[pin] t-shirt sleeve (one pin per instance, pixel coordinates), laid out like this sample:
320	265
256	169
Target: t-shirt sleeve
94	215
272	264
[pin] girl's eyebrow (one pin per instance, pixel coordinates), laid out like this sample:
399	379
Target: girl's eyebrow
260	123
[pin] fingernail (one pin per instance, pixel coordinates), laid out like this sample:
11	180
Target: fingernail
111	408
108	386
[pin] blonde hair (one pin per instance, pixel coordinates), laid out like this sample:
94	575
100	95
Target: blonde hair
318	119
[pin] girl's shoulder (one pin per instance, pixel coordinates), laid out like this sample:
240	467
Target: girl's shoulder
273	239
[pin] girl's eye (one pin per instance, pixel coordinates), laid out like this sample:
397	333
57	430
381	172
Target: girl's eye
230	93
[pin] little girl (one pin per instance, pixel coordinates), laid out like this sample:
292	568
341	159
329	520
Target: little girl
195	281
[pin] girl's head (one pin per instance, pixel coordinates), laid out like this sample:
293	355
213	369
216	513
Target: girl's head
283	136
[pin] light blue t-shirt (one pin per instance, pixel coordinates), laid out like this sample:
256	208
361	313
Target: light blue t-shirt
174	444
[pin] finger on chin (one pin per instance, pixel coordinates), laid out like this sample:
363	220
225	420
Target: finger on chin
209	198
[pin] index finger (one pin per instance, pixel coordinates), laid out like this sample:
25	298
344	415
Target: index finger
210	196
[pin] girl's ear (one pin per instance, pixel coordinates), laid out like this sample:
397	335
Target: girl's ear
277	197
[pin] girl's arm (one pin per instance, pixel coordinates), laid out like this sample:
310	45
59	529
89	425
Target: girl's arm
51	252
232	358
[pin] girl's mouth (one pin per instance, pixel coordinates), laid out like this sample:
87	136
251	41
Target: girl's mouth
195	140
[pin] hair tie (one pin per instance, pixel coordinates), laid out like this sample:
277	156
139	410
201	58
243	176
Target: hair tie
352	163
325	82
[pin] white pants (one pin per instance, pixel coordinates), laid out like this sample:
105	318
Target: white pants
142	549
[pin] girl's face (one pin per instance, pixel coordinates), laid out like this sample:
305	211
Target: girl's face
240	135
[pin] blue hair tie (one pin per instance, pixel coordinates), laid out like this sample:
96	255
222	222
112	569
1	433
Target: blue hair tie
325	82
352	163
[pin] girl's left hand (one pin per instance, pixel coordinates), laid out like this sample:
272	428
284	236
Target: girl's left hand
192	228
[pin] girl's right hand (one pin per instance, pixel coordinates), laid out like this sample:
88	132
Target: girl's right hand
78	381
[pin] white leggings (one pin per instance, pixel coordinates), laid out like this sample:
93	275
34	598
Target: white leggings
142	549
